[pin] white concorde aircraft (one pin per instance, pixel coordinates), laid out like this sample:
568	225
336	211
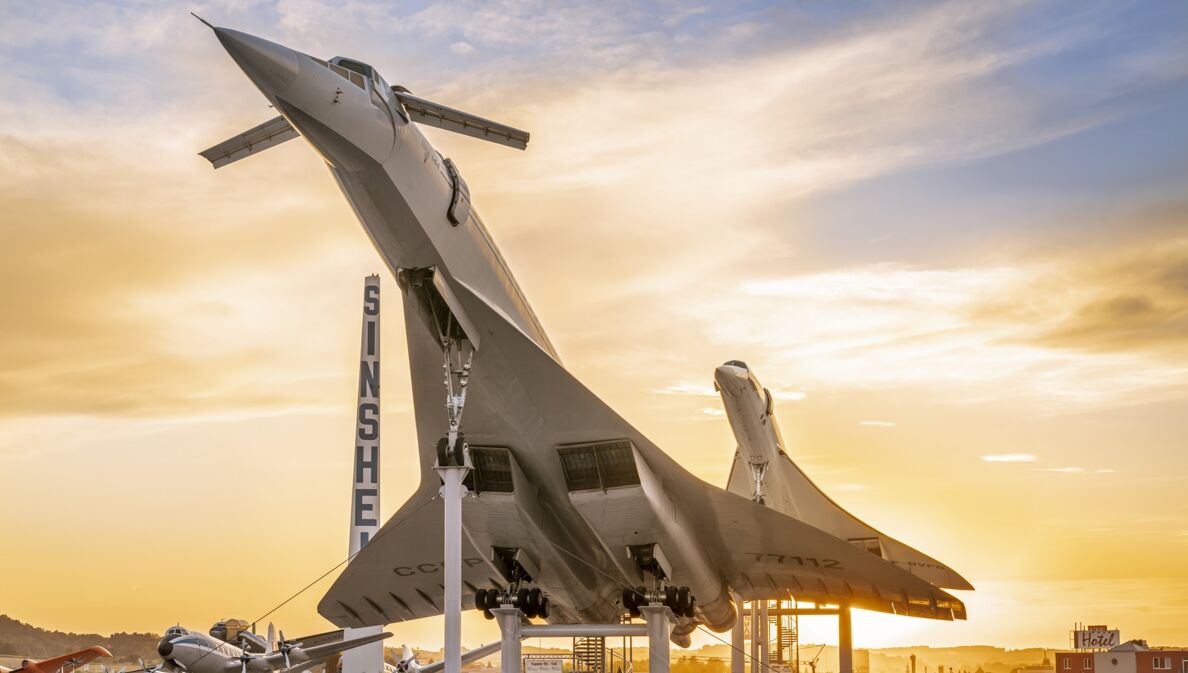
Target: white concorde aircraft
763	471
574	515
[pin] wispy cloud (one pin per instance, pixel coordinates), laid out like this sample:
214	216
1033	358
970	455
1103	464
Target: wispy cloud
697	389
1010	458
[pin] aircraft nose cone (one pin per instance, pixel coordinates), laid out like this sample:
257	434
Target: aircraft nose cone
270	65
165	648
730	376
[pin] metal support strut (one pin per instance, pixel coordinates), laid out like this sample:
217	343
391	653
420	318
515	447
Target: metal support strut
758	472
459	354
452	491
738	640
512	629
845	643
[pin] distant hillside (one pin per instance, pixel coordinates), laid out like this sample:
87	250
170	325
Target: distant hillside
25	640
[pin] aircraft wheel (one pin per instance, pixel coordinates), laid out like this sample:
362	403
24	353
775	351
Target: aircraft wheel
443	451
522	600
692	611
670	598
629	599
460	450
480	600
488	615
534	599
543	612
682	601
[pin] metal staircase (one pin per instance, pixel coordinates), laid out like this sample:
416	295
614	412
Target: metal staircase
589	655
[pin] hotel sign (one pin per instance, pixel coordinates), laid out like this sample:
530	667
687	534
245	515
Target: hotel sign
1095	638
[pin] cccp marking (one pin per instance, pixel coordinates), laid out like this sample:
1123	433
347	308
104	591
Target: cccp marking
430	567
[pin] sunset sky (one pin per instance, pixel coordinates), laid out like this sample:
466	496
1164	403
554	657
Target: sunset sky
952	237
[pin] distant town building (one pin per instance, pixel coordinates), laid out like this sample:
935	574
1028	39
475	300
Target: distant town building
1134	656
1045	667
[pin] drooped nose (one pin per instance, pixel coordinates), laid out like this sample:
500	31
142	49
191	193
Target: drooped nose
165	648
729	377
270	65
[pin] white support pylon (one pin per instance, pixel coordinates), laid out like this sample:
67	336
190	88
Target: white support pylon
510	621
845	642
452	492
660	622
754	649
764	638
738	640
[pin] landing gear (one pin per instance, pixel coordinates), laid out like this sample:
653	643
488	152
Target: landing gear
532	602
518	569
456	455
458	349
678	599
649	560
458	354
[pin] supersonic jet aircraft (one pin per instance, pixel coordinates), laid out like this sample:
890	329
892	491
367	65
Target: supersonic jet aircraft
763	472
186	651
575	515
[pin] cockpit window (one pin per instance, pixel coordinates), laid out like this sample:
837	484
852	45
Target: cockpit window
175	631
358	73
354	66
737	363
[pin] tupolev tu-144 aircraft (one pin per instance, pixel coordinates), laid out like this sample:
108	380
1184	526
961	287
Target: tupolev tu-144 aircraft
573	515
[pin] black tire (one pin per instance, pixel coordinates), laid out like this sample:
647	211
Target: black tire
488	615
460	450
443	451
628	599
670	598
543	612
480	599
522	600
692	611
534	599
682	601
634	612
